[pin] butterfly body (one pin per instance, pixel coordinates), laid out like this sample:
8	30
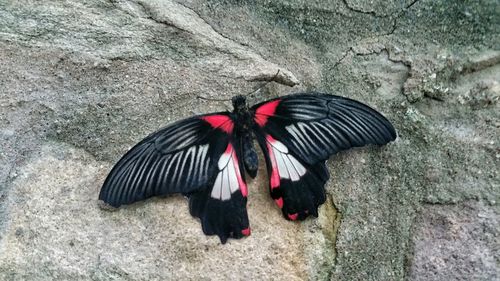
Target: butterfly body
205	157
244	122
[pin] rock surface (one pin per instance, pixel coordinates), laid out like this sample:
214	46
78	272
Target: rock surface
83	81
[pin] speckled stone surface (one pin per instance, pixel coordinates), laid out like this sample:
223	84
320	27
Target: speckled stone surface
83	81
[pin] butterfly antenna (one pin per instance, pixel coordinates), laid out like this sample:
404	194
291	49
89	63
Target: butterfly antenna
264	84
210	99
254	91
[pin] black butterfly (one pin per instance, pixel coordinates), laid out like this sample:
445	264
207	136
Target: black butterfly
204	157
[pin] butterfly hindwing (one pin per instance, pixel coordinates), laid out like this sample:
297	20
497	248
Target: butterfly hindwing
300	132
295	186
194	157
222	207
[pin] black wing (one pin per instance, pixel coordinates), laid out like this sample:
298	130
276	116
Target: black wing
184	158
222	207
299	132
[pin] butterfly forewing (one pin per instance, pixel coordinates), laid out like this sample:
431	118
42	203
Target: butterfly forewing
315	126
175	159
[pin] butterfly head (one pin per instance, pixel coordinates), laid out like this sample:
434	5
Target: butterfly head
239	103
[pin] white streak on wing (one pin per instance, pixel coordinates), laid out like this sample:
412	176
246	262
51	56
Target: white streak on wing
294	176
306	111
172	160
310	131
200	160
297	137
281	164
163	175
233	180
216	189
197	163
176	171
189	155
312	144
323	130
301	170
316	132
193	163
177	133
300	116
226	192
185	141
336	134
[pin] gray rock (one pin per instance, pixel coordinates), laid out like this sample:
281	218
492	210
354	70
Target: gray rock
84	81
459	242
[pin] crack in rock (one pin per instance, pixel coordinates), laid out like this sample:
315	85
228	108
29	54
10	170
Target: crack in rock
254	67
374	14
378	49
329	220
395	15
375	49
481	62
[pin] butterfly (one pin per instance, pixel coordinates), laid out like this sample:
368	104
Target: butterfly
205	157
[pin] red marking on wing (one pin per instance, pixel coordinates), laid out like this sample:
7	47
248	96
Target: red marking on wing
265	111
279	202
246	231
229	149
241	183
275	177
293	216
222	122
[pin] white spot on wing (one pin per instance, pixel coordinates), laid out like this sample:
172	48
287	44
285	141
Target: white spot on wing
226	192
233	179
281	163
288	166
224	159
280	146
301	170
217	187
226	182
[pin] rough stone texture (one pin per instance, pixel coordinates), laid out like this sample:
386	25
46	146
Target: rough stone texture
457	242
84	80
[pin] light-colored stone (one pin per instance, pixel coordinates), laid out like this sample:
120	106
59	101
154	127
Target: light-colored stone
83	81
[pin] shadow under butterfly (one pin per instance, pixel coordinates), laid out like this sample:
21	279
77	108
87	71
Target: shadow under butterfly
204	157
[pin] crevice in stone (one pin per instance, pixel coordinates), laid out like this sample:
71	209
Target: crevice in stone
488	60
352	51
410	249
339	61
432	97
400	14
374	14
330	229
